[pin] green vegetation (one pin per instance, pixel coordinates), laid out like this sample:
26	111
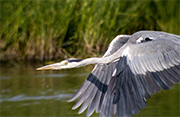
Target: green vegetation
50	30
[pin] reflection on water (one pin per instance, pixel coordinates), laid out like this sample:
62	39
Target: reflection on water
22	97
27	92
51	75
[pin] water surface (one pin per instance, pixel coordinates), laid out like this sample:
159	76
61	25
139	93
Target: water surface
27	92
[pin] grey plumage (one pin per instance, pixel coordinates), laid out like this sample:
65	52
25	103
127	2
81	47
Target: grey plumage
133	68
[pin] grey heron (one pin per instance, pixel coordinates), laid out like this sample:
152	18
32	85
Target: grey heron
133	68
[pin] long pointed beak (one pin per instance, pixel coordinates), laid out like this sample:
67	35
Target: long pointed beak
54	66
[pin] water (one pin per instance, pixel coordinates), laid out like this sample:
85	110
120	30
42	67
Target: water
27	92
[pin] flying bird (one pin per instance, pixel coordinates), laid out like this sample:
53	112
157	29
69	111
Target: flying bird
133	68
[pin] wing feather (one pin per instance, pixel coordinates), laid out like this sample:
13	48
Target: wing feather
93	95
147	84
107	98
165	79
152	84
152	69
84	86
155	86
85	90
133	95
128	109
95	102
122	85
92	92
159	81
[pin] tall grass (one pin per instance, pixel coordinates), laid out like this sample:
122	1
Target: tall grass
46	30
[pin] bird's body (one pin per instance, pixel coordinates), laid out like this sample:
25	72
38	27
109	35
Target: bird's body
133	67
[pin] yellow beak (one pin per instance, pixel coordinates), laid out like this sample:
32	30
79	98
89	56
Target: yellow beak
54	66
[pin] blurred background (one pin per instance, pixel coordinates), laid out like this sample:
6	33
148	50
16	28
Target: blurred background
50	30
37	32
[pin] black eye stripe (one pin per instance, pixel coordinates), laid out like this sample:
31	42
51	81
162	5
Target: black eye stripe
74	60
146	39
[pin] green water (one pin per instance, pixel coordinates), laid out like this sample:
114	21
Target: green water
27	92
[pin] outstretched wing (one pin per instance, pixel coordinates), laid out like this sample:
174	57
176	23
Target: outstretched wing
144	63
148	66
92	91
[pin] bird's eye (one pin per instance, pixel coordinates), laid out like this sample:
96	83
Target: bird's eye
147	39
65	63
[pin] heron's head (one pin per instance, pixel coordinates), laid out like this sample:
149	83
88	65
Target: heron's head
65	64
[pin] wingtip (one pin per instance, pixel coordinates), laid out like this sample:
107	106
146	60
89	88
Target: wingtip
70	100
74	107
80	111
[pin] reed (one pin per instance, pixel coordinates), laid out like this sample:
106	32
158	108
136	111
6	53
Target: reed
50	30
